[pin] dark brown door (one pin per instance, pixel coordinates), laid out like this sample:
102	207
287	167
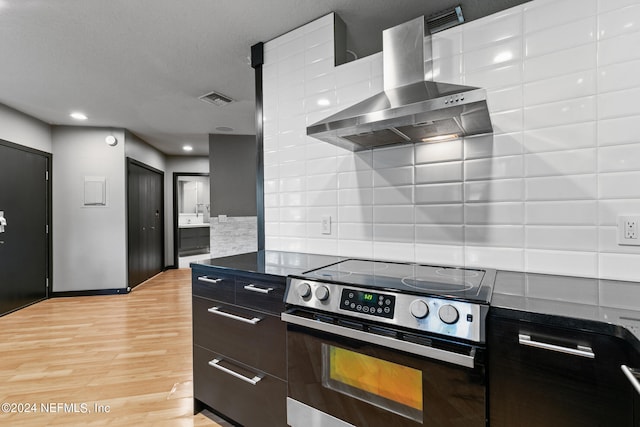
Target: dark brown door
145	221
24	243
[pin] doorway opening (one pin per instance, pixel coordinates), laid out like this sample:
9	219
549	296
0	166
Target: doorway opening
191	218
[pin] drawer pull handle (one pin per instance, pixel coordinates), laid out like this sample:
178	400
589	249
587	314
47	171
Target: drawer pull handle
633	375
206	279
581	350
253	288
216	364
219	312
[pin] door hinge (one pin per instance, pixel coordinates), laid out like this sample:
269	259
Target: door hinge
47	228
46	175
47	282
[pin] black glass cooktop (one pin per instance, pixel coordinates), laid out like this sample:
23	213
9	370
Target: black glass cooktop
461	283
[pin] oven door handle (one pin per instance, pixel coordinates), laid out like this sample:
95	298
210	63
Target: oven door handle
409	347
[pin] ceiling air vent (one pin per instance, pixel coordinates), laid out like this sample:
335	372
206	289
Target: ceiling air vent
216	98
445	19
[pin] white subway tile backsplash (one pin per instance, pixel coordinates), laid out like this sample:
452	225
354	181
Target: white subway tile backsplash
558	63
615	293
619	49
489	257
503	190
617	104
619	76
477	147
441	152
495	55
553	163
507	121
560	37
495	77
541	194
560	113
624	130
504	236
618	185
393	214
438	193
549	14
561	262
504	99
493	168
561	213
619	158
393	176
438	172
582	239
560	88
393	195
440	234
439	254
560	138
494	213
360	179
566	187
492	29
619	21
439	214
393	157
355	197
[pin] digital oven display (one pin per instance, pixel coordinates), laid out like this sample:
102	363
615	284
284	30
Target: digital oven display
370	303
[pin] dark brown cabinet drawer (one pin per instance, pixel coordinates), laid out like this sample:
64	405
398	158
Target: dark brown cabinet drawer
213	285
260	294
255	338
247	396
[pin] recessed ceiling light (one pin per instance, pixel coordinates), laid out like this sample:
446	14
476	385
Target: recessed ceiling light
187	148
78	116
224	129
111	140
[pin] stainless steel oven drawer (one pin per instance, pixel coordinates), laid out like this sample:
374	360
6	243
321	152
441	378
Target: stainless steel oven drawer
255	338
249	397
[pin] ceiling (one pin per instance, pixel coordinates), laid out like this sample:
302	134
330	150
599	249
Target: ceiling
142	64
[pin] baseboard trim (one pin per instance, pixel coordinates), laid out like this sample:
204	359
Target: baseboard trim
89	293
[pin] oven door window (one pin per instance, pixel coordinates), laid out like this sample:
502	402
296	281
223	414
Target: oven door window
385	384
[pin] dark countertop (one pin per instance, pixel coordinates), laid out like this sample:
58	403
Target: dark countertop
273	263
596	305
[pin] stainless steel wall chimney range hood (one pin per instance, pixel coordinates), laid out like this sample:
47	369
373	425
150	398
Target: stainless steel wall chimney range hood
410	109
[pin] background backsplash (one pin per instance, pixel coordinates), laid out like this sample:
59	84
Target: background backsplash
542	194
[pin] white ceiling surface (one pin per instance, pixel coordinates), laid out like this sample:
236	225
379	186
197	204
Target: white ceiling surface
141	64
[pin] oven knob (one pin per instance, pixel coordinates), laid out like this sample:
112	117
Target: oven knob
448	314
419	309
304	290
322	293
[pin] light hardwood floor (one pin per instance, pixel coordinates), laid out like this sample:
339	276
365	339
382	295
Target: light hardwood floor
129	355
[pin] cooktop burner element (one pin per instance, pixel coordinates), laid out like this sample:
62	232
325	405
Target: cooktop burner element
449	301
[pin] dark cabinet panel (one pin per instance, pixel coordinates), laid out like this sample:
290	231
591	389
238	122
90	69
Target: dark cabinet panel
261	295
547	376
247	396
255	338
194	240
213	285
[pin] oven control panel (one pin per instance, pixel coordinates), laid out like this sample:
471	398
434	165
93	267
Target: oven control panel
372	303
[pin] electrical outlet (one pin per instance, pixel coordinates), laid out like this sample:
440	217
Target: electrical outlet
325	224
628	230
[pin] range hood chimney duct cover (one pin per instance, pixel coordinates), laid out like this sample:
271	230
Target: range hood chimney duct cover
410	109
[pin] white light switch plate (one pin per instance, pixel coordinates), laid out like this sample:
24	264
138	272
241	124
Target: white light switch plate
325	224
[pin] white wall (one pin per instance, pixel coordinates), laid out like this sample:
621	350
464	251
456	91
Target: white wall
541	194
179	164
89	243
139	150
21	129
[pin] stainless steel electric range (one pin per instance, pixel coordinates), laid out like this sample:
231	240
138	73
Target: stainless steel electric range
383	343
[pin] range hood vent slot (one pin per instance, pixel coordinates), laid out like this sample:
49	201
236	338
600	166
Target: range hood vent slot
445	19
216	98
410	109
